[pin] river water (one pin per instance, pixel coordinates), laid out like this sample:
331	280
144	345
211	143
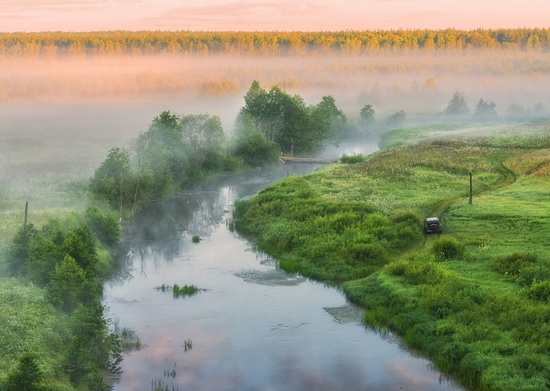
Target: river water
251	326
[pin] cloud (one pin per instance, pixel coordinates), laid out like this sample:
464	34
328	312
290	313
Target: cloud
39	5
244	15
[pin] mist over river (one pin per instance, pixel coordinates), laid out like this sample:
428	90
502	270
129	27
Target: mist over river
252	326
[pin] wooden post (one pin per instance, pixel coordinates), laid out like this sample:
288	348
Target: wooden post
471	189
26	211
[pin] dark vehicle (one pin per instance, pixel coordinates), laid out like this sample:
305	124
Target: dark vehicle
432	225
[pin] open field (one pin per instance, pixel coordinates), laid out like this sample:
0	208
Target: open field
475	299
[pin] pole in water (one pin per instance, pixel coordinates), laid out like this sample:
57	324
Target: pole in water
26	211
471	189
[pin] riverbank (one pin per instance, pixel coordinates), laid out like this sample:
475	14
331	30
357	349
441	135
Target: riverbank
475	299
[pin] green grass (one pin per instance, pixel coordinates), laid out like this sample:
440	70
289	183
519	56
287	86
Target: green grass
475	299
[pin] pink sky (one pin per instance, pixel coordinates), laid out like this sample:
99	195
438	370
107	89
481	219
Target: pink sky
269	15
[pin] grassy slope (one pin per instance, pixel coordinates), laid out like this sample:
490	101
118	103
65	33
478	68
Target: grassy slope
490	330
30	323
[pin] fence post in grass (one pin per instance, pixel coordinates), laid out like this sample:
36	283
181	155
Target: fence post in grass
26	211
471	189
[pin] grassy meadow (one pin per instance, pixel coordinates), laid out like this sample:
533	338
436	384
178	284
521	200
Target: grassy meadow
476	299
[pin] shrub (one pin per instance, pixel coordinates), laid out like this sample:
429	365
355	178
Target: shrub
512	264
447	248
533	273
104	224
416	271
539	291
352	159
196	239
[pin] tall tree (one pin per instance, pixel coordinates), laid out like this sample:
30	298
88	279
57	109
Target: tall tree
457	105
328	119
113	181
67	282
282	118
485	109
251	145
27	375
366	114
205	137
19	250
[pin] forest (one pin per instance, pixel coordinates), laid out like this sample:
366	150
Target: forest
266	43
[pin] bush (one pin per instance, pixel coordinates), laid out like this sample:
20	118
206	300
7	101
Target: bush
539	291
534	273
104	224
352	159
447	248
511	265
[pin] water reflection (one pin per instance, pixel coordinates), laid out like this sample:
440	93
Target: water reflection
253	327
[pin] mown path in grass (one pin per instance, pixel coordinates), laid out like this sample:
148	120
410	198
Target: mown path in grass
509	177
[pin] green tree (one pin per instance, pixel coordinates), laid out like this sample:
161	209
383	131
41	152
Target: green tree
93	349
80	245
366	114
163	157
67	282
19	250
27	375
328	119
205	137
485	109
46	251
396	119
457	105
113	181
104	224
251	145
282	118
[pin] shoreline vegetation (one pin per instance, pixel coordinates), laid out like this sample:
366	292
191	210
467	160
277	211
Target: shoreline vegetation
476	299
57	335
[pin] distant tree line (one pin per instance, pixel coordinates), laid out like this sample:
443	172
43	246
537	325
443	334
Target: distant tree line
266	43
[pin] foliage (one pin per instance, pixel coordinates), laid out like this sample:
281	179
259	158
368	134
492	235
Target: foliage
511	265
396	119
62	257
27	376
113	181
63	44
67	284
457	105
251	145
447	248
352	159
104	224
19	250
484	108
30	323
93	348
330	121
366	114
205	137
185	290
287	121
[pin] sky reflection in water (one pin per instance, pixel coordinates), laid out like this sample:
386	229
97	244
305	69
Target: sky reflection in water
254	327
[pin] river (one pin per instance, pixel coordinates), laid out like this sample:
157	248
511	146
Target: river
251	326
